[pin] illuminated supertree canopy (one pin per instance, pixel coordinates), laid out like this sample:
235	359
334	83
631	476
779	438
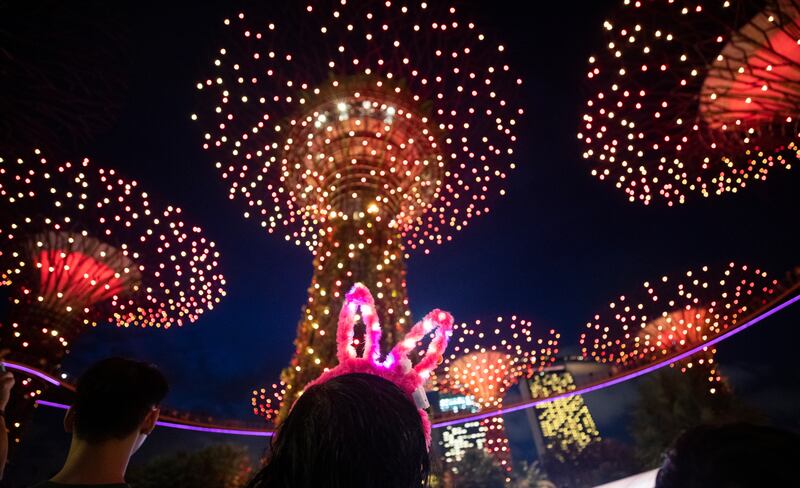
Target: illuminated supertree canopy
363	132
80	246
672	315
485	359
62	72
698	98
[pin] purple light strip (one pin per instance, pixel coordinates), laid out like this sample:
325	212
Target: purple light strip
215	430
622	378
34	372
52	404
173	425
480	416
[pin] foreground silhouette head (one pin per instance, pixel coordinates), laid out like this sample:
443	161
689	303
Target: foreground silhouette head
116	398
731	456
362	423
356	431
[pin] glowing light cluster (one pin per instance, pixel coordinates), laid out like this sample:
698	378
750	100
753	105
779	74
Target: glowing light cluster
83	245
267	401
380	130
671	315
485	359
404	104
786	299
363	355
694	99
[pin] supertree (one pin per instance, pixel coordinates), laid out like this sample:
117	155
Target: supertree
485	359
669	316
365	131
694	97
80	246
63	68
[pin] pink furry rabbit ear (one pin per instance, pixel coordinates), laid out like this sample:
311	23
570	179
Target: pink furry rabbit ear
438	322
359	299
397	366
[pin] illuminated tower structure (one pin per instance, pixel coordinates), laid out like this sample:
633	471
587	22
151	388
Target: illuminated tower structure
700	98
80	246
365	131
485	359
455	440
671	315
565	426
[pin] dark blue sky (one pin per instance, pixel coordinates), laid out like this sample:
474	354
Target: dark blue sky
556	249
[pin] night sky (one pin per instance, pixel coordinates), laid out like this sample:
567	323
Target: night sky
555	250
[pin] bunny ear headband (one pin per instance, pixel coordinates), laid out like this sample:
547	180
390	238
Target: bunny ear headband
397	366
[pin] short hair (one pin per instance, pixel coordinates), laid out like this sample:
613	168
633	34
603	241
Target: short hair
114	396
731	456
355	431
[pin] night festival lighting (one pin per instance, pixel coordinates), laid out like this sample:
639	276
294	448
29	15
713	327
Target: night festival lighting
469	416
485	359
397	365
354	167
80	247
456	440
379	131
670	315
694	99
566	425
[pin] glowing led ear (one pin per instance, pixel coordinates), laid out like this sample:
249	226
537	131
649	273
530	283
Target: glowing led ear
397	367
442	323
359	299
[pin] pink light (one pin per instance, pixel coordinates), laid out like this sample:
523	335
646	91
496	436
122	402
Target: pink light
80	278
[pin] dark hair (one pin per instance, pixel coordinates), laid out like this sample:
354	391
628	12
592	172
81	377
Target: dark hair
731	456
114	396
354	431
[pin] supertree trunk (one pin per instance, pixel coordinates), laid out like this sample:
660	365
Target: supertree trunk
38	336
497	442
81	247
386	128
364	251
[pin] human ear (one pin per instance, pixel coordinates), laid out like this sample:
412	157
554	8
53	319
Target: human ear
149	422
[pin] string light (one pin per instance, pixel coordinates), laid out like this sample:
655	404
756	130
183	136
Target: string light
81	246
485	359
670	315
396	366
694	101
376	133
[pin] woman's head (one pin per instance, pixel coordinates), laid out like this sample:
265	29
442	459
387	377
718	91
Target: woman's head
354	430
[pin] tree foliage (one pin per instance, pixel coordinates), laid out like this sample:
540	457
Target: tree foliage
221	466
477	469
602	461
532	476
671	402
